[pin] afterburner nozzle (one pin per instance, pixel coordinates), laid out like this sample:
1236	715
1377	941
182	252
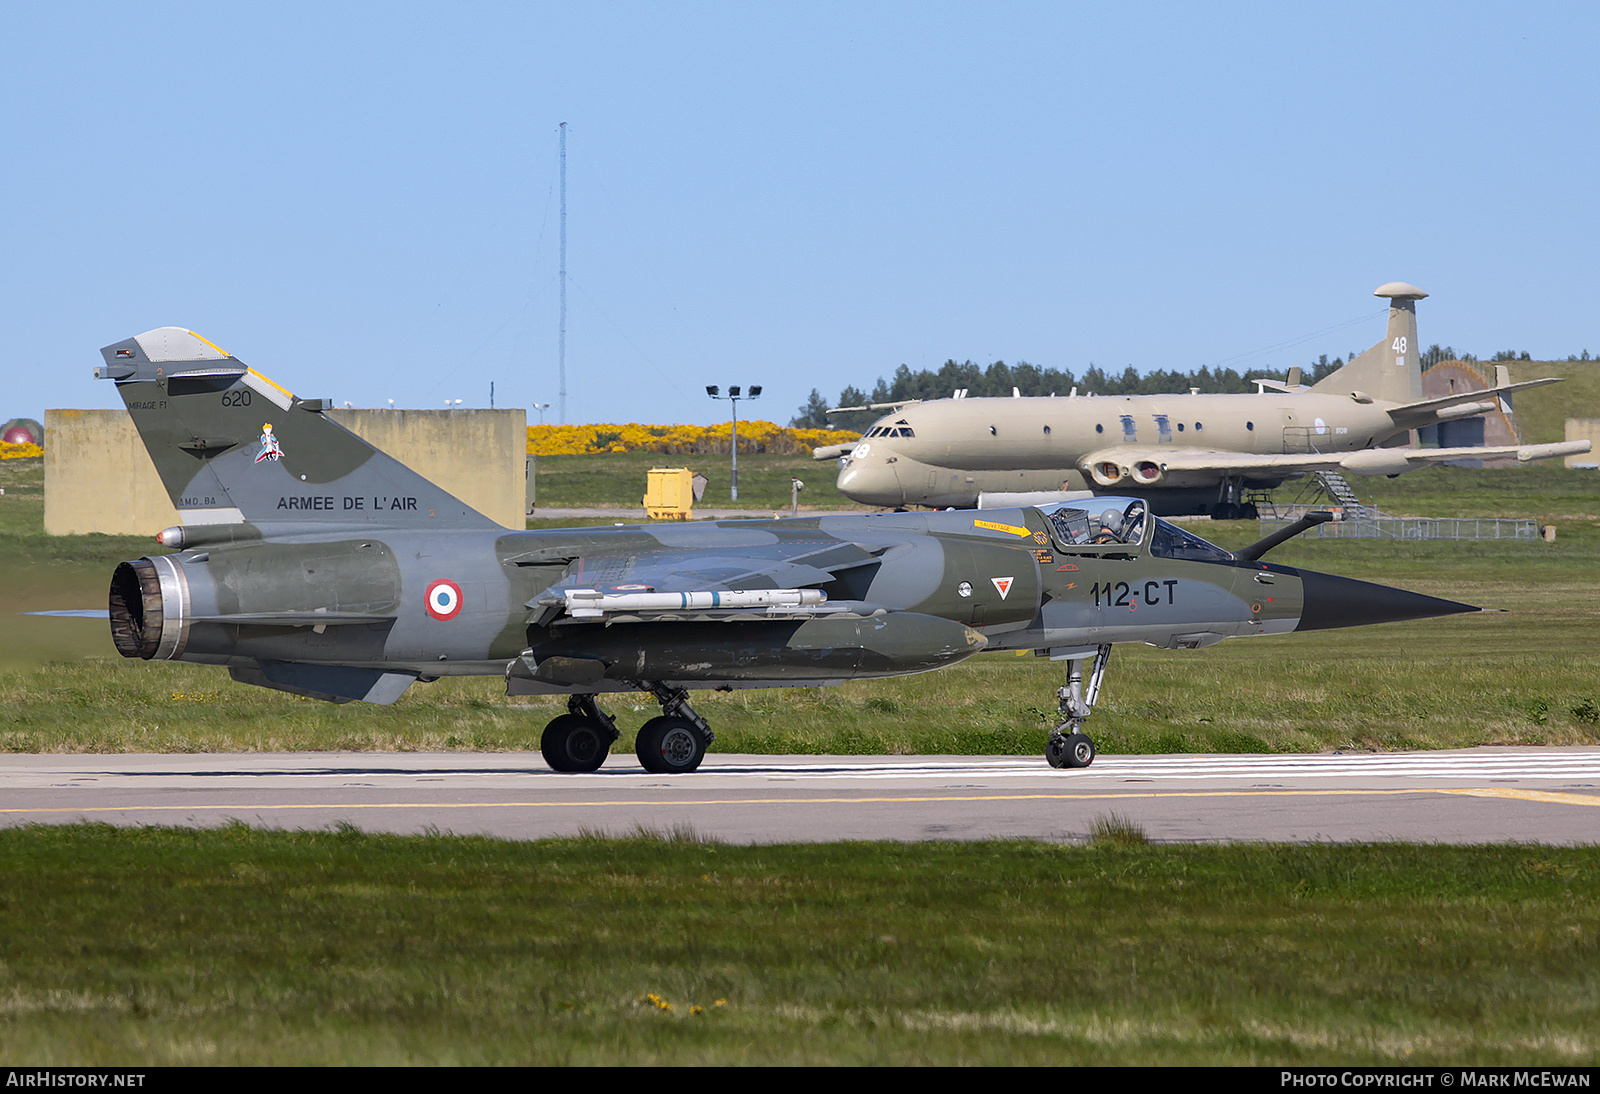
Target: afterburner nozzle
1344	602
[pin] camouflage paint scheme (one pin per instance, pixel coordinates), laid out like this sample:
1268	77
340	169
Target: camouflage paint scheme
312	563
1182	453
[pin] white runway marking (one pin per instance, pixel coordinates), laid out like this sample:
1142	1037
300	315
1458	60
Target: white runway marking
1498	765
1121	768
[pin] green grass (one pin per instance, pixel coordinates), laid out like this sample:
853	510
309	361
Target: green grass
132	947
618	479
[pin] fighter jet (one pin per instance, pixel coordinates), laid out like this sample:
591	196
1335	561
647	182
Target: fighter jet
312	563
1182	453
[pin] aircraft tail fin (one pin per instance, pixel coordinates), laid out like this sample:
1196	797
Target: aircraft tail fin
231	446
1390	371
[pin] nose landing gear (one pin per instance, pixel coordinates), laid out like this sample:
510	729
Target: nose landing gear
1069	746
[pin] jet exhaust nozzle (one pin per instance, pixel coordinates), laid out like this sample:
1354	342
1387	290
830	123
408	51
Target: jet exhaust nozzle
1106	472
146	608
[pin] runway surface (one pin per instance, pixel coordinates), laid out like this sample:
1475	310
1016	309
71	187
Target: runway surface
1548	795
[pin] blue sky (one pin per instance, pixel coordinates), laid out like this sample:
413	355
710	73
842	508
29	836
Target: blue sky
360	200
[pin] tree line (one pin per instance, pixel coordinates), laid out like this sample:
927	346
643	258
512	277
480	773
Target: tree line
1000	380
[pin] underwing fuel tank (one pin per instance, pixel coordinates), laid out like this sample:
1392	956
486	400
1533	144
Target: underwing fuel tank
826	648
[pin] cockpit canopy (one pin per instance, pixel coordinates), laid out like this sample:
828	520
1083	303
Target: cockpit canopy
1125	527
886	428
1107	521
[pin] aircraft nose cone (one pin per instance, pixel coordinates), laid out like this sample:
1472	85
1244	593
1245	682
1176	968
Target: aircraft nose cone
870	484
1344	602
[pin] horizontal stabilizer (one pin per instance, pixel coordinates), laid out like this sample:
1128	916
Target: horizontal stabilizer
1430	408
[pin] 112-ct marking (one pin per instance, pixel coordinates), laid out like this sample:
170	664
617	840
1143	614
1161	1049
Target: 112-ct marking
1120	594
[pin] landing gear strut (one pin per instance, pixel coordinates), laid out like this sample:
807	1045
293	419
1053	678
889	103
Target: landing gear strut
579	740
1230	505
1069	746
676	742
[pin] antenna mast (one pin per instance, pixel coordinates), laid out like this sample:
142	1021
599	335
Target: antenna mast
561	349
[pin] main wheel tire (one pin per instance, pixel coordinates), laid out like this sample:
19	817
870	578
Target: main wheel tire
1079	751
670	746
1055	751
573	743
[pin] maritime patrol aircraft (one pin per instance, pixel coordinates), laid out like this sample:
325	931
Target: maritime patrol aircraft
1182	453
310	562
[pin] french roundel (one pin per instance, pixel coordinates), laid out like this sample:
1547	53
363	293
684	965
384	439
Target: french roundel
444	599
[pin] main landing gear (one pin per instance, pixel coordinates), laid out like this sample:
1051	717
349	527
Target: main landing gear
672	744
580	739
1069	746
1231	504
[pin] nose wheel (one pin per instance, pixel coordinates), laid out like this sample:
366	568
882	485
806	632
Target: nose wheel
1071	750
1069	746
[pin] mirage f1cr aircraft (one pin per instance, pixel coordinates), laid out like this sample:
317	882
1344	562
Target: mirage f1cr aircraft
1182	453
310	562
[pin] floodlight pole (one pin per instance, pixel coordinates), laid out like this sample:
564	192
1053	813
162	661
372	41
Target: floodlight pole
734	396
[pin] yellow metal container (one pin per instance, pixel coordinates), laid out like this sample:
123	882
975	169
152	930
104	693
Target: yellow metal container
669	493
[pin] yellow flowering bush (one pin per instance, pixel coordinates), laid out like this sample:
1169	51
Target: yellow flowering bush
19	451
679	440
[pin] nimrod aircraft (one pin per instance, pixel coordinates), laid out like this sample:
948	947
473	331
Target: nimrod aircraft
1182	453
310	562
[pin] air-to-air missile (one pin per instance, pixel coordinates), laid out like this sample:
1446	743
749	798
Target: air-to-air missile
311	562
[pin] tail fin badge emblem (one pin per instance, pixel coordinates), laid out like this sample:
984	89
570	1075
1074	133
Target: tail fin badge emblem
269	445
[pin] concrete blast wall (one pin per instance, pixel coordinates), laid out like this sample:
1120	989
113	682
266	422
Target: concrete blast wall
1583	429
99	478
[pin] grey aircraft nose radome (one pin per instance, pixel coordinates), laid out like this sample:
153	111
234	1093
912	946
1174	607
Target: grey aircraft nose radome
1181	453
310	562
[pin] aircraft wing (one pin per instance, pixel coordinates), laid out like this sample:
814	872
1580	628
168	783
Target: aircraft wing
751	607
1150	464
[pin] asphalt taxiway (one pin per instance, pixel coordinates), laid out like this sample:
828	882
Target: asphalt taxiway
1482	795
